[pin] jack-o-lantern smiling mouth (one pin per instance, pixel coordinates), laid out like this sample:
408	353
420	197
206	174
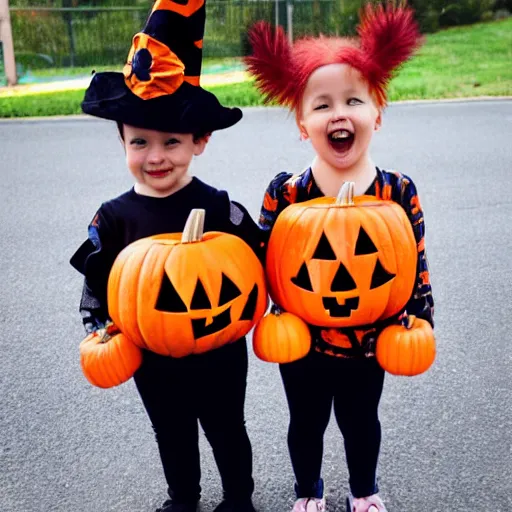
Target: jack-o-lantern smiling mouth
170	301
342	281
340	311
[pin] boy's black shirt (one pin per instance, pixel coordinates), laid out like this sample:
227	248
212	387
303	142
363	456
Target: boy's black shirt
132	216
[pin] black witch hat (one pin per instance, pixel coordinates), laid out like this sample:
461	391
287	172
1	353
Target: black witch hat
159	86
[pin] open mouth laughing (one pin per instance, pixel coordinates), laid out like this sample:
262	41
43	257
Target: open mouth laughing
341	140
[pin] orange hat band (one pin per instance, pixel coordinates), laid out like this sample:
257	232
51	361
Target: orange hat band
152	69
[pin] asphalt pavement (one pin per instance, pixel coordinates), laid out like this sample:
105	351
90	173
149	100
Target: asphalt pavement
66	446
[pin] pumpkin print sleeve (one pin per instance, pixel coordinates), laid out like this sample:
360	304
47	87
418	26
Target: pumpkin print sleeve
94	259
421	303
274	202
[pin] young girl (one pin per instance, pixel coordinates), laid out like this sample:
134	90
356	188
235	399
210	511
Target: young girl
164	120
337	89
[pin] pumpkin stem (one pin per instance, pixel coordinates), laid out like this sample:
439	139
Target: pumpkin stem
103	334
108	332
410	321
194	227
346	194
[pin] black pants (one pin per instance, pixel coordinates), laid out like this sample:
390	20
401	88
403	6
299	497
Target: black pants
354	386
210	388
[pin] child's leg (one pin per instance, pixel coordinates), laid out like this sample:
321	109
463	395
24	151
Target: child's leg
224	380
163	385
356	400
310	400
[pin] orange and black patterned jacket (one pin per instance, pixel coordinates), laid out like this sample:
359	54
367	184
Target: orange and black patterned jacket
287	188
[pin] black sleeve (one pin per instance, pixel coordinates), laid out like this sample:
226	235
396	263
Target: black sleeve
94	259
94	314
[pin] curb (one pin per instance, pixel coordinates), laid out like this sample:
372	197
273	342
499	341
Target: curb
469	99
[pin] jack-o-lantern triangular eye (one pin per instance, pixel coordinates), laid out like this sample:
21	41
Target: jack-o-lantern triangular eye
200	298
169	299
364	244
228	290
380	276
324	250
302	279
343	281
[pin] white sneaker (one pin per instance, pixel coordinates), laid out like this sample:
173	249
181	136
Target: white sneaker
371	503
309	505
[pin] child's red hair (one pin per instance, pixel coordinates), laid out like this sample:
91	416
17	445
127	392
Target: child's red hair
388	36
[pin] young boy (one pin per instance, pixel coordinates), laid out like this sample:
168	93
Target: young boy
165	119
337	89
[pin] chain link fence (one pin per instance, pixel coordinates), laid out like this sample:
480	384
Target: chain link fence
47	37
67	37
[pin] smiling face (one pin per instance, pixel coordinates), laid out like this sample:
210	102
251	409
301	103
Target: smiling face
159	161
339	115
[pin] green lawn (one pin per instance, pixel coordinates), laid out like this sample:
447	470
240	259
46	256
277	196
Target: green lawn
455	63
460	62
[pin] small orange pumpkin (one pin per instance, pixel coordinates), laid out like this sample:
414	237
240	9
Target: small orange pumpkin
281	337
342	262
407	350
108	358
186	293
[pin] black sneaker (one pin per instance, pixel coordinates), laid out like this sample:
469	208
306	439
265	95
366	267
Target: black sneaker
235	506
170	506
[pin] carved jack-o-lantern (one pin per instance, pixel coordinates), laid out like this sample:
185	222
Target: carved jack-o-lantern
179	294
342	262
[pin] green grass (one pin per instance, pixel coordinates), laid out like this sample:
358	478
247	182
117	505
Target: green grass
459	62
42	104
455	63
68	102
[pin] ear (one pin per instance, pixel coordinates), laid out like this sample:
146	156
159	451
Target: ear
200	144
378	121
303	132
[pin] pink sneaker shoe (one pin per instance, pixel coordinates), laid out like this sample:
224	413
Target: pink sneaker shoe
309	505
371	503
